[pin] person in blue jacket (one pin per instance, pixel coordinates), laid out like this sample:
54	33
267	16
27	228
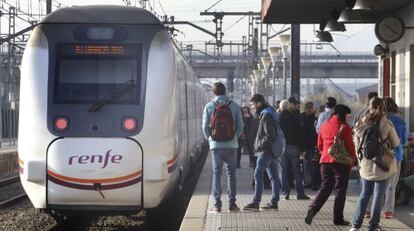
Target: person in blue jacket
392	111
223	151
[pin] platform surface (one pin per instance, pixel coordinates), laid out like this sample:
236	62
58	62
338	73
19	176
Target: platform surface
289	216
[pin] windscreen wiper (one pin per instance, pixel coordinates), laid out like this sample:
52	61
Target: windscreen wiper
115	94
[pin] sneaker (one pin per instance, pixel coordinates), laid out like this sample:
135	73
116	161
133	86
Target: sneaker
234	208
309	216
388	215
342	223
270	206
286	197
354	229
252	207
216	209
376	229
303	197
367	215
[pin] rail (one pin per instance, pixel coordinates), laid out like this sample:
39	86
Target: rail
9	181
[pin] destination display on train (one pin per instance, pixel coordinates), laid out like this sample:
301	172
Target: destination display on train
98	49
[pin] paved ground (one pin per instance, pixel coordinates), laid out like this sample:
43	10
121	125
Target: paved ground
290	215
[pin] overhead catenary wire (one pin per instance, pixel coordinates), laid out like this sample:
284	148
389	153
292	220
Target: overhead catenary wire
213	5
241	18
161	7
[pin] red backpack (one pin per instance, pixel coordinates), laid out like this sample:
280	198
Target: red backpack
222	123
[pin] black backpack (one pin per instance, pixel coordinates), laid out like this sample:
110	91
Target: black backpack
371	140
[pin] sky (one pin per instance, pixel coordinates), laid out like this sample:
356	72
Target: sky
359	37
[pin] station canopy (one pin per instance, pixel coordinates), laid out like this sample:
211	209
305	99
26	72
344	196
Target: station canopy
320	11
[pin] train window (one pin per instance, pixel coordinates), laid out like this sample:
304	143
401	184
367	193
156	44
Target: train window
93	33
103	33
86	74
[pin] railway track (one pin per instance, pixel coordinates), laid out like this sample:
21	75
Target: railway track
14	199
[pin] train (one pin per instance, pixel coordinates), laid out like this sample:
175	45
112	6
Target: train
110	112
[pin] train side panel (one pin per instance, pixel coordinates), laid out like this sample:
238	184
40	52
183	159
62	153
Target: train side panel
34	137
158	135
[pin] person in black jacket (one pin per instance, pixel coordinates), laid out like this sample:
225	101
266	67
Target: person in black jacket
266	135
247	137
290	125
311	172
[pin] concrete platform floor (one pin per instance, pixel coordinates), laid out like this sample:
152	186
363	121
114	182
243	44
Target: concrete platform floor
290	215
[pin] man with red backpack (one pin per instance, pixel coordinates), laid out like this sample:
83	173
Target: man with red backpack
222	125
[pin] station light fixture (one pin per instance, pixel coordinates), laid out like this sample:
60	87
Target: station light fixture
359	16
274	52
266	61
323	36
257	74
284	39
366	4
334	25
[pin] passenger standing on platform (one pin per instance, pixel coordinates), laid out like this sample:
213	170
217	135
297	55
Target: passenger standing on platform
266	138
334	175
392	111
291	128
246	139
311	173
223	147
324	116
374	179
364	111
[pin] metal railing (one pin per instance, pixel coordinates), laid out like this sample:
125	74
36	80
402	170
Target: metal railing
9	127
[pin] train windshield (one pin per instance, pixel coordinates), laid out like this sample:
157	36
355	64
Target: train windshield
91	74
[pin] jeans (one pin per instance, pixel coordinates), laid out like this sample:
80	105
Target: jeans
228	156
291	154
268	163
334	177
368	188
389	202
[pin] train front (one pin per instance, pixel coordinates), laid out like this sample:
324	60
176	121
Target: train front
82	107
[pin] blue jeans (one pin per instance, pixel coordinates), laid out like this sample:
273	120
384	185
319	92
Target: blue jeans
268	163
291	154
228	156
368	188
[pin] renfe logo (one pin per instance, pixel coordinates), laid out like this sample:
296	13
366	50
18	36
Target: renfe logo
90	159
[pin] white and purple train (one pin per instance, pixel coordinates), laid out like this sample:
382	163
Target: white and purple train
110	112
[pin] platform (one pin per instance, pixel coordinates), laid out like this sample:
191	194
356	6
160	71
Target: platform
290	215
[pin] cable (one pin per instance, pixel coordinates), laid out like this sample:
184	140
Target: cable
162	8
235	23
213	5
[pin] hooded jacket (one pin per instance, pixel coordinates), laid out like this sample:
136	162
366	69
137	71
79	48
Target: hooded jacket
368	169
326	137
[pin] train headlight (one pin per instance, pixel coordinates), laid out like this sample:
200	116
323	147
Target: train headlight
61	124
129	124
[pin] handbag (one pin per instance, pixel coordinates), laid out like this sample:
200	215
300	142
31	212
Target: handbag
385	156
338	150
